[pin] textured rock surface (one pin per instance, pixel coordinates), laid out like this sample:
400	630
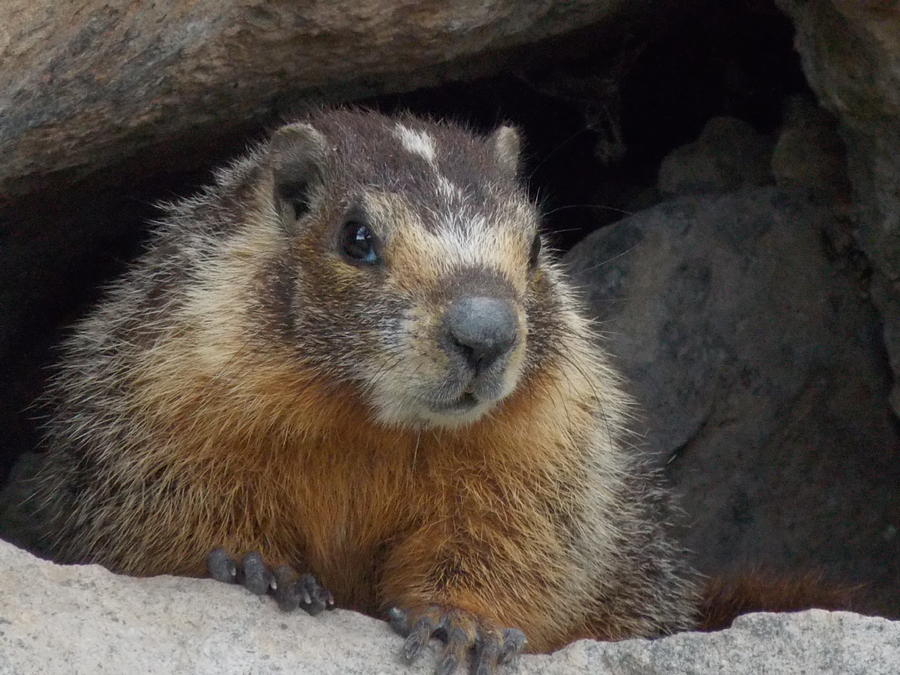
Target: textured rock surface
758	363
83	619
851	56
86	82
810	154
728	154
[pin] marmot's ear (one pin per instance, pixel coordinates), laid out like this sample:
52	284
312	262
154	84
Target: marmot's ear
507	145
296	154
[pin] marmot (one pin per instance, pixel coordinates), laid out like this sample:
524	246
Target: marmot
352	355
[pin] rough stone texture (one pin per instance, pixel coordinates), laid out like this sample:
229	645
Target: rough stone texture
810	154
757	360
82	619
86	82
851	56
728	154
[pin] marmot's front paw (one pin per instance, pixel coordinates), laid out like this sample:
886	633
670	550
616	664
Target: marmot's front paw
291	590
462	632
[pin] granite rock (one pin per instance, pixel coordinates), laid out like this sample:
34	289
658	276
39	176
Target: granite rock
810	154
850	51
87	82
727	155
83	619
756	356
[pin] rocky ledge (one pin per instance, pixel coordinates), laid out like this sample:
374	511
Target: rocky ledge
83	619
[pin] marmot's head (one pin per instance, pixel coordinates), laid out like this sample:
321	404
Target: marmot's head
412	265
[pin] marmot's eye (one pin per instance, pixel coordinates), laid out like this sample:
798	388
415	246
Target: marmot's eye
535	251
358	243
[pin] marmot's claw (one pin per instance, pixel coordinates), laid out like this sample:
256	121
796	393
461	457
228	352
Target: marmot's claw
462	633
397	619
514	643
418	636
286	592
313	597
255	575
221	567
291	590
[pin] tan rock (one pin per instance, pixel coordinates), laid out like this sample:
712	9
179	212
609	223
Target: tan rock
86	82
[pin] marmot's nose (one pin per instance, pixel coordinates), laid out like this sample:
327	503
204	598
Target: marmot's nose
481	329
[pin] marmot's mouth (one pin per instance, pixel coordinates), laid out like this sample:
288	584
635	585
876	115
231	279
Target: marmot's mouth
465	402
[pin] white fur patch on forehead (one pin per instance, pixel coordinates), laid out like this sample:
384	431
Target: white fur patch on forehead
448	189
416	142
449	241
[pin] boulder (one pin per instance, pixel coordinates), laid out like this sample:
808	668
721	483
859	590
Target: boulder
810	154
88	82
83	619
851	56
756	356
728	154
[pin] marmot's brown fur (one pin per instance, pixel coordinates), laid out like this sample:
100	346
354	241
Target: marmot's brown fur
351	355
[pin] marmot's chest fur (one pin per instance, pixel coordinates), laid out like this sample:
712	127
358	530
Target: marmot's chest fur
351	355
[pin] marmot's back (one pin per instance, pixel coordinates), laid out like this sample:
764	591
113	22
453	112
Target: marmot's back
351	355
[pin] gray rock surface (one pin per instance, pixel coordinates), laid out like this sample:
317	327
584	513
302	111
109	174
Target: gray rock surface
83	619
851	56
757	360
86	82
728	154
810	154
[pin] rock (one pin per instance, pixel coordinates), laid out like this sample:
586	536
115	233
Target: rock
83	619
851	56
810	154
88	82
758	363
727	155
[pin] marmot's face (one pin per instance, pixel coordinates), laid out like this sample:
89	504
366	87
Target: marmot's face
417	260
